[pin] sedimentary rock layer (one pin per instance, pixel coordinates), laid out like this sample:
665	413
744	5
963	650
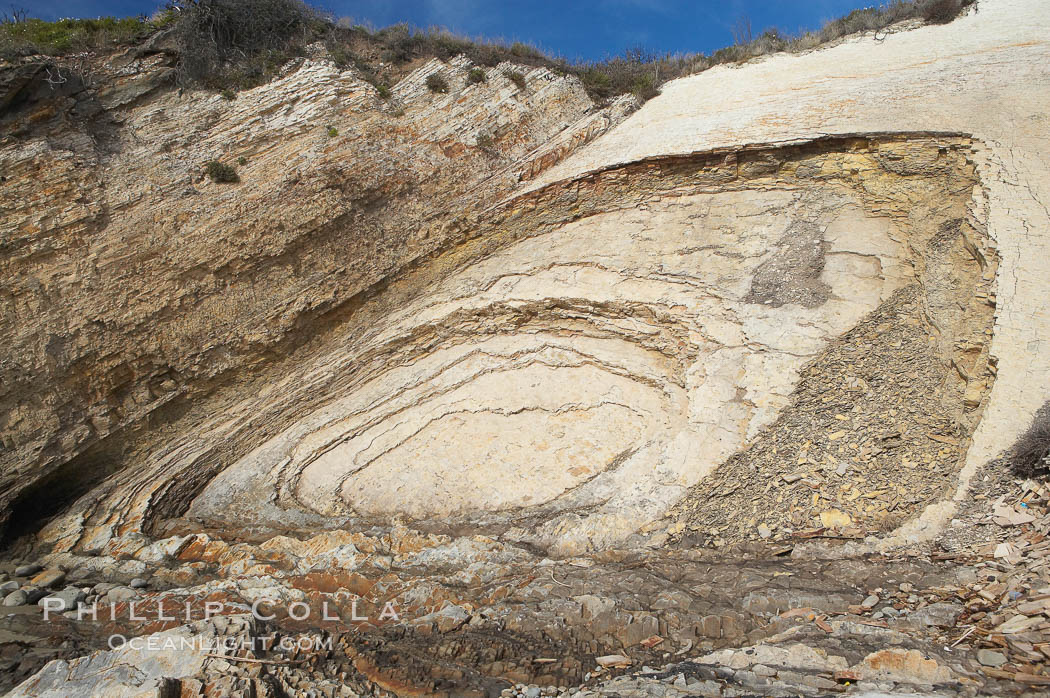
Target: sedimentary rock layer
983	75
133	285
591	352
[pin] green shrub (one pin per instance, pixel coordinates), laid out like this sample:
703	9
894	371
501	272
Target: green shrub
476	75
520	50
229	95
597	82
242	161
644	87
445	45
399	43
517	77
772	41
489	55
383	92
436	83
341	54
728	54
221	173
332	132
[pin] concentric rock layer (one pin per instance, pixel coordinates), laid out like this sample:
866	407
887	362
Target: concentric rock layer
590	353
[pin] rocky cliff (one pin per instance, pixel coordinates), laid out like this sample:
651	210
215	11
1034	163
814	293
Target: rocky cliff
136	285
561	381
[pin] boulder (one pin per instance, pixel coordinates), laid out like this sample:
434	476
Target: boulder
120	595
34	594
49	578
65	600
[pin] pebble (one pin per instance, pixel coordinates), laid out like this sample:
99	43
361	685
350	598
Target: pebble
27	570
906	587
8	587
991	658
870	601
138	583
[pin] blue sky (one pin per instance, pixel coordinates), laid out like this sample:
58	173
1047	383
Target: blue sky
573	29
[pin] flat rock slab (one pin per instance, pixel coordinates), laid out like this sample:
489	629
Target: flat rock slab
48	579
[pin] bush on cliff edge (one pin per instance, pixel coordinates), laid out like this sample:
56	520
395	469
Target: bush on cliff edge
1030	455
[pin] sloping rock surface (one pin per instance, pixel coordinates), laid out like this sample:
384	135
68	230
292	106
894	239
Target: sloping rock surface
703	399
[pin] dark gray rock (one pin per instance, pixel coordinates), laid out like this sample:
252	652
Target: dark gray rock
34	594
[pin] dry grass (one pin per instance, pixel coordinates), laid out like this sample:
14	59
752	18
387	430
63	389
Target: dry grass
235	44
517	77
241	43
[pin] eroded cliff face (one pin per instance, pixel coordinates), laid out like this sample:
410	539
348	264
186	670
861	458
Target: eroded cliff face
594	350
394	364
134	284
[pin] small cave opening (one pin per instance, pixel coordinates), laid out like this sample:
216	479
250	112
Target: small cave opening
54	494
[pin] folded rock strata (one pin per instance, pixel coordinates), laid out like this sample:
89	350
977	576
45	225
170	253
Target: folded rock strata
529	391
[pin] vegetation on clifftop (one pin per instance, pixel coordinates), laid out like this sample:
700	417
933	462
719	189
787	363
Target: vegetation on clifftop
236	44
23	36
